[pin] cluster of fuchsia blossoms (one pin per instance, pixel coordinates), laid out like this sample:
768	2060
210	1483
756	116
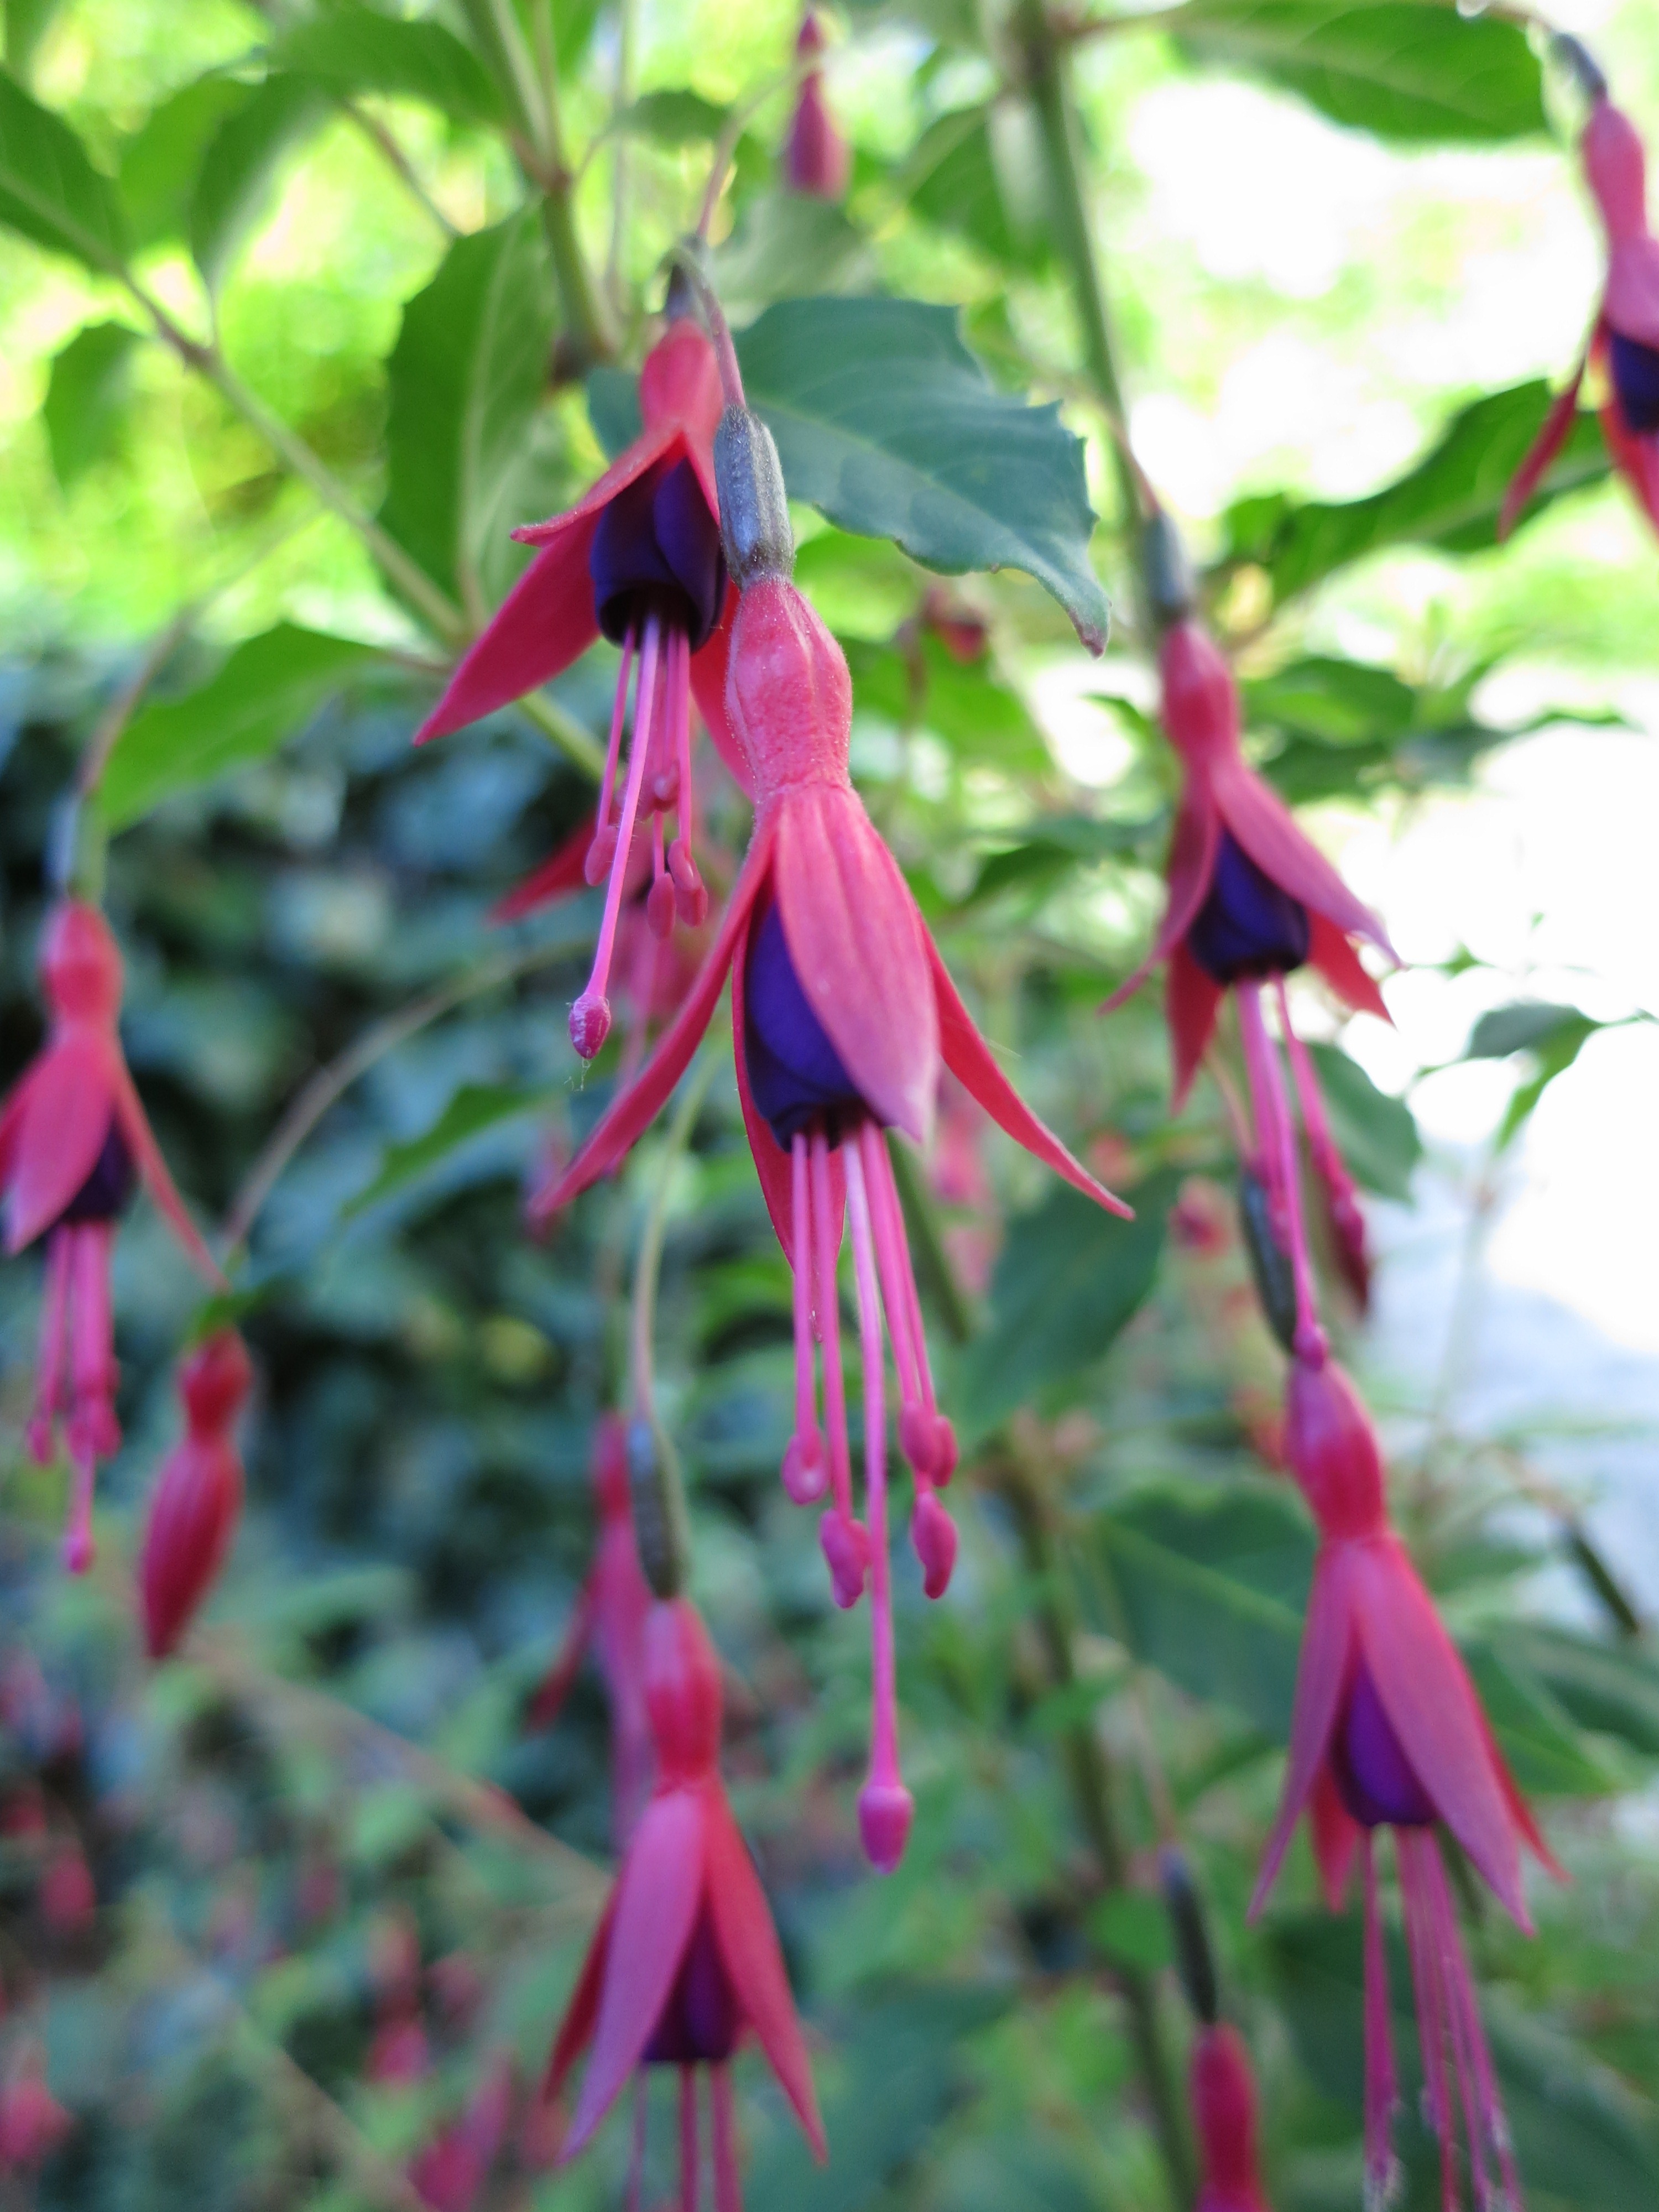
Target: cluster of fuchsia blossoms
844	1022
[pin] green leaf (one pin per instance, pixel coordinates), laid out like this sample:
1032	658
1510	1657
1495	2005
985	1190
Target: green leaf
1536	1733
979	172
789	243
466	380
474	1109
1399	67
1069	1278
1451	499
1612	1690
87	395
161	161
887	424
1208	1586
1133	1928
978	718
1056	847
48	189
353	49
270	685
673	116
1377	1134
1527	1025
27	23
239	168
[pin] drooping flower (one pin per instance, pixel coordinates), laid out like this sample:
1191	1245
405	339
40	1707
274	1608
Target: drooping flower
73	1143
1388	1731
1249	901
1223	2092
843	1017
198	1495
610	1618
1624	344
638	558
815	158
685	1959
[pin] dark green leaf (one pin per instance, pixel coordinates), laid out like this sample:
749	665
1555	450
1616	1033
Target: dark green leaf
887	424
239	168
789	243
1377	1134
1338	702
354	49
1069	1278
86	398
1537	1735
48	189
1059	845
467	378
27	23
161	161
980	172
674	116
1402	69
613	408
1451	499
1208	1587
474	1109
978	718
1526	1026
1611	1689
263	695
1133	1928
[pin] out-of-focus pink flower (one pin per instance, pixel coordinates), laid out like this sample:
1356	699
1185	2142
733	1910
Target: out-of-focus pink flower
450	2174
198	1495
815	159
32	2123
639	558
843	1017
67	1897
1223	2092
398	2052
73	1141
610	1617
685	1960
1625	341
1388	1732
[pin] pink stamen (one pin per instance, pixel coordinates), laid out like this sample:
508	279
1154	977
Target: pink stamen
846	1542
1329	1162
926	1440
728	2186
93	1373
1487	2124
601	852
689	2176
1431	2037
1382	2084
660	900
805	1473
884	1804
54	1343
690	891
590	1017
1279	1144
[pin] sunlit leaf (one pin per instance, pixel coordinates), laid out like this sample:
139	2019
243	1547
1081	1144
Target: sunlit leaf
48	189
352	48
239	166
161	161
85	398
1377	1134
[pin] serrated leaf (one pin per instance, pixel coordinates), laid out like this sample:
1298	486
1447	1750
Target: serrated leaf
889	426
1451	499
1376	1133
86	396
1208	1587
353	49
1399	67
48	189
240	165
466	380
474	1109
1069	1278
263	695
161	161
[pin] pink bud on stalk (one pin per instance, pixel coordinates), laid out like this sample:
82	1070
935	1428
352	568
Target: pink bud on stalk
815	157
193	1513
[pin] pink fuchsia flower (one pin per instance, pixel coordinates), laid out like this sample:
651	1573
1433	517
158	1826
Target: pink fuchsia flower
685	1960
1249	901
610	1620
639	559
198	1495
32	2123
815	159
1223	2092
450	2174
843	1017
1387	1732
1625	341
73	1142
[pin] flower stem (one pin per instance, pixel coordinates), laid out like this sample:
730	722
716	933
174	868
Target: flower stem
1089	1774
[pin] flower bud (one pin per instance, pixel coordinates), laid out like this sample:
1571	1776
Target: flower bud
1223	2117
755	525
815	158
199	1497
1270	1264
886	1810
80	965
1168	577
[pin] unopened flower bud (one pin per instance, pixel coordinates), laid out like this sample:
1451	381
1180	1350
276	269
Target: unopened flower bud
755	526
1167	579
815	157
199	1497
1194	1959
886	1810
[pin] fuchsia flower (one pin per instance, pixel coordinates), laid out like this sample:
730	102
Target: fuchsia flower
1223	2092
73	1140
685	1959
1625	341
451	2172
817	158
199	1497
1388	1731
610	1617
639	558
843	1016
1251	899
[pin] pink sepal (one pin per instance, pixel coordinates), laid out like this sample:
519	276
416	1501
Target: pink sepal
1336	1837
576	2028
1190	867
1263	825
1322	1678
153	1172
709	667
1190	1000
1334	957
66	1103
969	1059
1617	170
1631	300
